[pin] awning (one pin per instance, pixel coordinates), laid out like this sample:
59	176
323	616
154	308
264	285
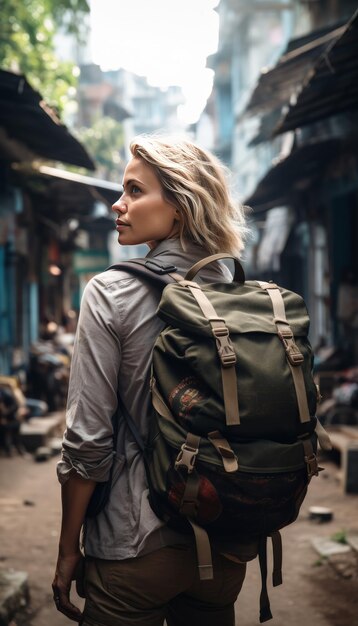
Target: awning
267	123
298	170
65	192
331	86
276	85
110	191
26	118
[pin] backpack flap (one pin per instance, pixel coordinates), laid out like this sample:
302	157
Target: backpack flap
192	375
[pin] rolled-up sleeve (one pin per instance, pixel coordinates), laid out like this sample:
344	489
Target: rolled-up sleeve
92	396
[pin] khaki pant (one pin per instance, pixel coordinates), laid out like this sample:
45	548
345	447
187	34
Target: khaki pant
162	585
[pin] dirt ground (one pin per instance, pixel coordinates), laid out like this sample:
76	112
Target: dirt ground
316	591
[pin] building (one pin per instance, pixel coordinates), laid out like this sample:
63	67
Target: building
138	107
128	98
286	124
43	211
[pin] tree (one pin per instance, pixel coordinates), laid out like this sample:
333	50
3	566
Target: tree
27	31
104	141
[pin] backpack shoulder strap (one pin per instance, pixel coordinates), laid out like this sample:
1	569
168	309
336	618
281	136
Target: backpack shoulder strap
293	355
158	273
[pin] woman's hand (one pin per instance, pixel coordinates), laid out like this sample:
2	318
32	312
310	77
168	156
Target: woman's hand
76	494
66	569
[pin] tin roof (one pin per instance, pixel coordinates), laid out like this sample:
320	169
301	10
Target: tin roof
26	119
330	87
276	85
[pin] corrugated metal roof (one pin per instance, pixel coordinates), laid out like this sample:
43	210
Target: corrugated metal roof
105	185
304	164
331	86
26	118
276	86
72	191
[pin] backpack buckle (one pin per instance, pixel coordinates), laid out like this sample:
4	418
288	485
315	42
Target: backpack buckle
228	359
186	457
312	465
293	354
284	331
224	346
159	267
220	331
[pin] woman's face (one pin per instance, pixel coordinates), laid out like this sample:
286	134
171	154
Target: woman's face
143	214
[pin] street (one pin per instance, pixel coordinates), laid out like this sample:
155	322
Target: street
314	590
214	135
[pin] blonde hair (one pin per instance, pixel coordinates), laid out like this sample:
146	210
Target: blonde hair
194	181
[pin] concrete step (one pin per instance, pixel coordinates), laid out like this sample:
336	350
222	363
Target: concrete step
326	547
37	431
352	539
14	594
345	440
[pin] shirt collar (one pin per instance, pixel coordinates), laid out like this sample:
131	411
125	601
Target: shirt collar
173	245
171	251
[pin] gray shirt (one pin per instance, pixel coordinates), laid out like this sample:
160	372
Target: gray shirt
116	331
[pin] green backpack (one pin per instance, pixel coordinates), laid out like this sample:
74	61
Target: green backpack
233	441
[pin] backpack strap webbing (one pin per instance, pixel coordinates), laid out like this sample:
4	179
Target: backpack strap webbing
310	458
222	446
156	272
202	542
277	558
293	355
189	504
225	351
203	551
265	609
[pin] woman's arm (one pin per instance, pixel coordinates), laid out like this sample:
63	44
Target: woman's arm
87	454
76	494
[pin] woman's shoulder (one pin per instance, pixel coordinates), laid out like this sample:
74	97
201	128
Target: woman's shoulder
116	288
109	277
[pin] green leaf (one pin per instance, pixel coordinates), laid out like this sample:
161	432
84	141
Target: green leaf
340	537
27	30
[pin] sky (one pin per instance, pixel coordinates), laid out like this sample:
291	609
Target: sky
165	40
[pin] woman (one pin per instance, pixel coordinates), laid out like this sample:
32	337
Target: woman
138	571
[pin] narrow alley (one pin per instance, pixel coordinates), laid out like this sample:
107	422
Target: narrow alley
315	590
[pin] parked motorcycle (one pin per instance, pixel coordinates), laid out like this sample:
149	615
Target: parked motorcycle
342	406
48	373
15	408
